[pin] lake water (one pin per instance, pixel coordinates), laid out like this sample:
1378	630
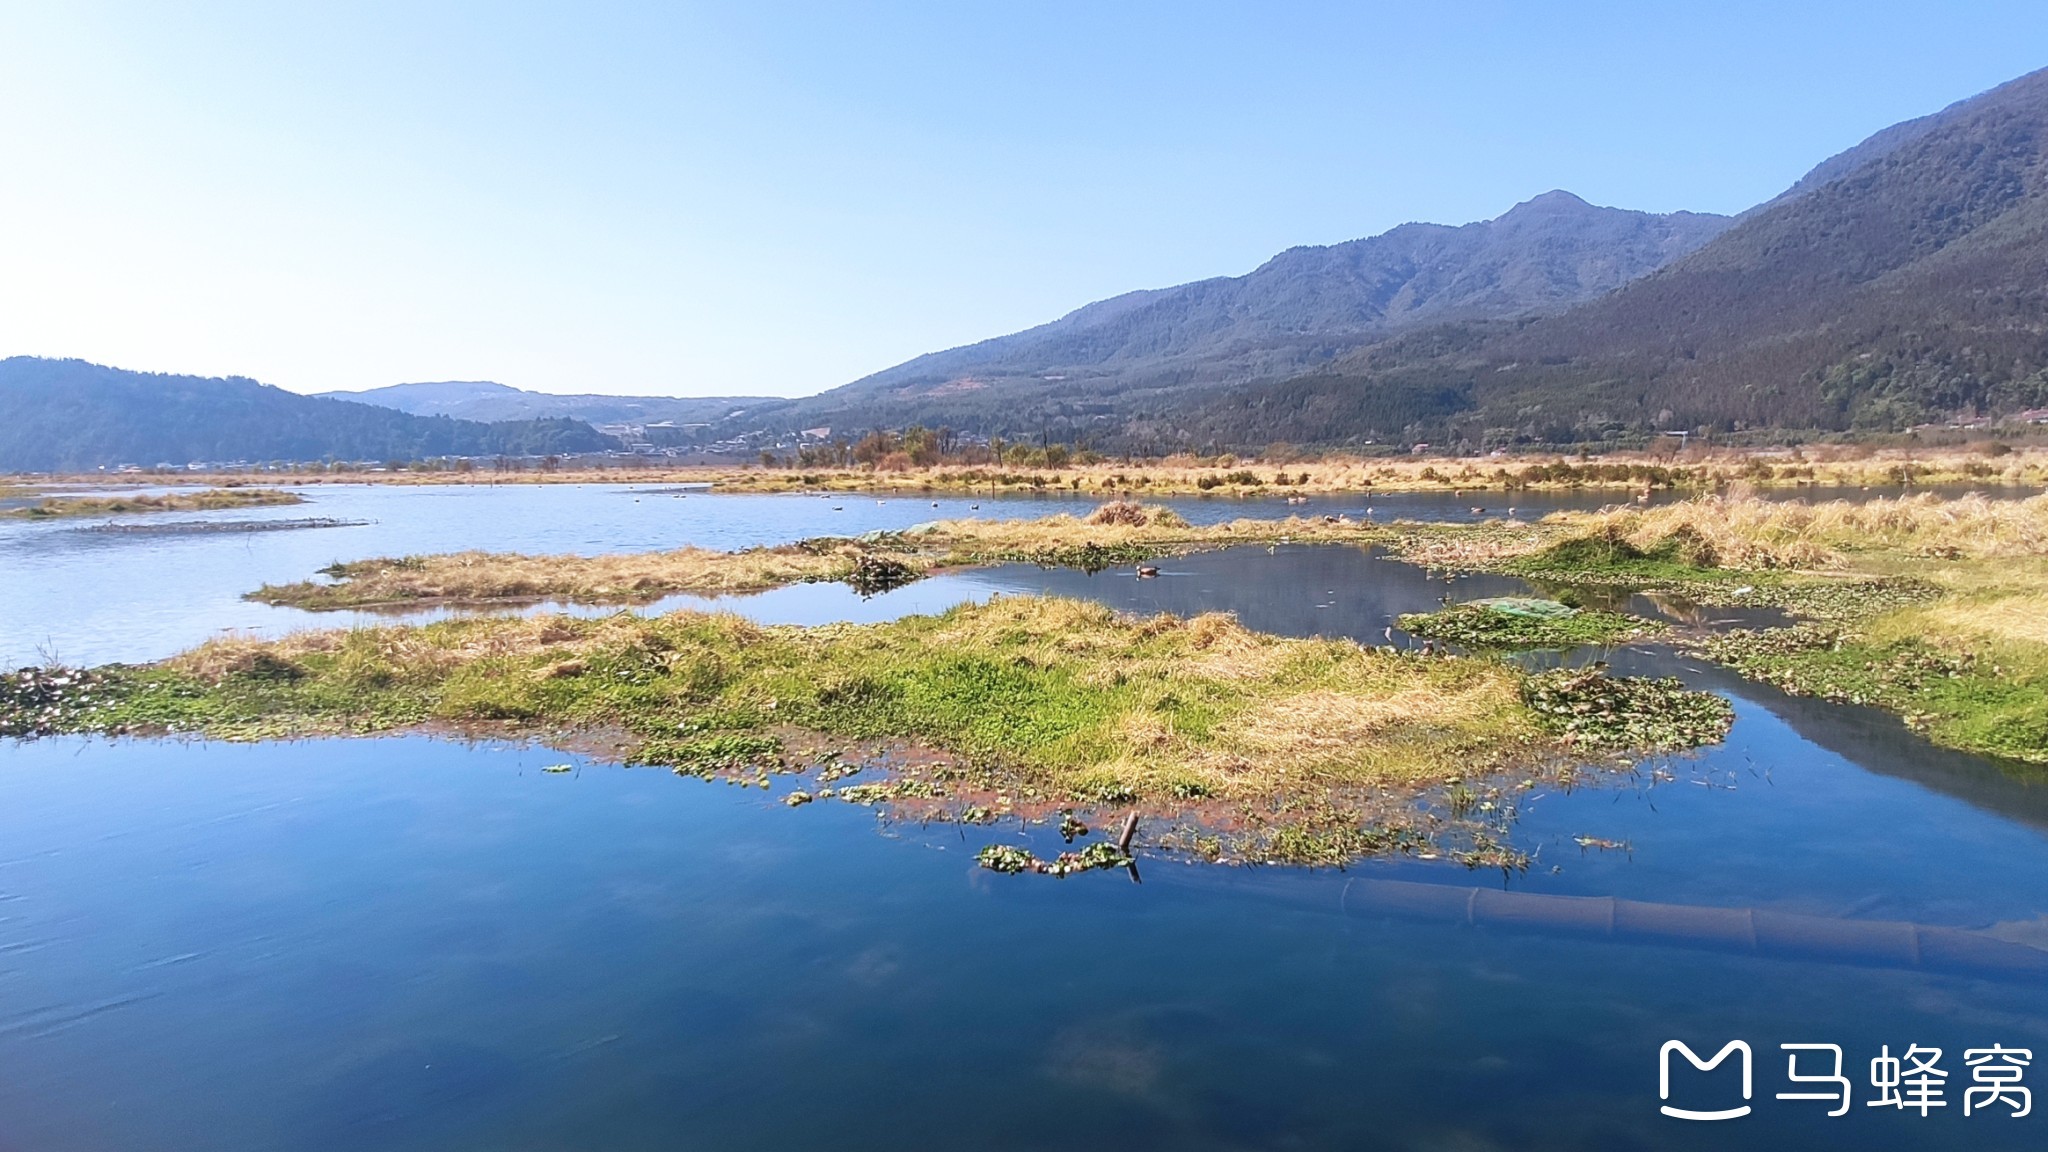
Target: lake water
410	943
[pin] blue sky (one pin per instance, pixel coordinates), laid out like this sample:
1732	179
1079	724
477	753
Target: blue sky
777	198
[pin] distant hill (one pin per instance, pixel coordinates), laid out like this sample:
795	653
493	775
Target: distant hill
1903	281
485	400
61	415
1302	308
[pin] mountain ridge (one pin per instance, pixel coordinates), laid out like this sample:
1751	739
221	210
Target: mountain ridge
491	402
1540	255
1910	285
72	415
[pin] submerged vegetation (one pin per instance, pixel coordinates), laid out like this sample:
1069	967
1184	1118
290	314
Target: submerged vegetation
209	500
1306	750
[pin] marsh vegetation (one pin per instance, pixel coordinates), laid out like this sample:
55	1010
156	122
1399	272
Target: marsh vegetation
1929	608
1281	471
1114	534
206	500
1253	746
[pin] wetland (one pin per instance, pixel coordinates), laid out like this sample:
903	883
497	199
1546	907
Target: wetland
527	870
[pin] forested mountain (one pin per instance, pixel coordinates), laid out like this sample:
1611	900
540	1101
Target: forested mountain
485	400
1902	282
68	414
1301	308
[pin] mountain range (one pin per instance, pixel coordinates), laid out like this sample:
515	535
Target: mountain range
1900	281
485	400
1903	280
68	415
1297	308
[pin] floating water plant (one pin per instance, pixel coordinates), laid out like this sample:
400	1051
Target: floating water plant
1523	622
1595	711
1011	860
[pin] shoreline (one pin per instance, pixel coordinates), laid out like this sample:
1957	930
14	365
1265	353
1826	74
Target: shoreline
1696	469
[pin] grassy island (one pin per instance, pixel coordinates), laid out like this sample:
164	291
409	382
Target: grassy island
207	500
1240	744
1113	534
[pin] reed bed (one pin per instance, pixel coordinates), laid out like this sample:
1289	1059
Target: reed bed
1751	532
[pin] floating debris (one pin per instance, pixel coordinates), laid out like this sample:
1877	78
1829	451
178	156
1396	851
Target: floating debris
558	768
1602	844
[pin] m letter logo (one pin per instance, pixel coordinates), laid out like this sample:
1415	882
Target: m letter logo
1693	1058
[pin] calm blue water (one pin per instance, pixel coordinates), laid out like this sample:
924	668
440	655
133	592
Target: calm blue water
93	597
412	943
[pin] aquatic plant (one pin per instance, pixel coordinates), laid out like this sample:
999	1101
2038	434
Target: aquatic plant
1011	860
1488	624
1595	711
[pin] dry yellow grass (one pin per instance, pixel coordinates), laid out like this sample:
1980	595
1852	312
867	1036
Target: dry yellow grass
1699	467
2022	618
1120	533
611	578
209	500
1751	532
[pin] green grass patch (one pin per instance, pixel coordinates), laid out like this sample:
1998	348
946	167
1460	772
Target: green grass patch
1961	696
1606	556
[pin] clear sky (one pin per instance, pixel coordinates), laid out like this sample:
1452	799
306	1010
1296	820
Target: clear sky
758	197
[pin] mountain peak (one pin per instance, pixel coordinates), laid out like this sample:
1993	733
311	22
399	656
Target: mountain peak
1299	309
1554	201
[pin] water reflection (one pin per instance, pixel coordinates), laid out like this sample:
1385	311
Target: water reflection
410	944
91	597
